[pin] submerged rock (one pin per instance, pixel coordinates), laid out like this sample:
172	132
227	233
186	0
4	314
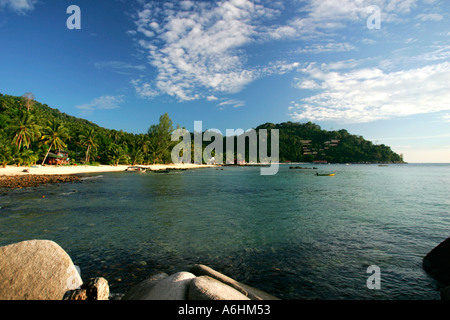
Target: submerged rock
36	270
33	180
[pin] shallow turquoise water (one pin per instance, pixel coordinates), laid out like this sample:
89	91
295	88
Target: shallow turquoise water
294	235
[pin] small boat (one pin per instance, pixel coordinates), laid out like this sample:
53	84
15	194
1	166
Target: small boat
161	171
135	168
325	174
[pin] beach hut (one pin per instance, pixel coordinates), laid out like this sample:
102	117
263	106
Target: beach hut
57	157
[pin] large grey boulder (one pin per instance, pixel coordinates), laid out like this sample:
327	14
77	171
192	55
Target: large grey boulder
437	262
250	292
207	288
174	287
36	270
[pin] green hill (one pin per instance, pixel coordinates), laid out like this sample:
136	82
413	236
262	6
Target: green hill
32	123
28	129
306	142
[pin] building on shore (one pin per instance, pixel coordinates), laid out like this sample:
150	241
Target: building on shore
57	157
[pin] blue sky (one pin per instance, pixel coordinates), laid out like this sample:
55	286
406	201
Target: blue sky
240	63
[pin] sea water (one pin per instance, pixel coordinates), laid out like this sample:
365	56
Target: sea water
294	235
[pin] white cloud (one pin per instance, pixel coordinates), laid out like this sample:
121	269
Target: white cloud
438	53
326	48
198	45
19	6
364	95
325	15
212	98
430	17
102	103
118	66
339	65
199	48
232	102
306	84
144	89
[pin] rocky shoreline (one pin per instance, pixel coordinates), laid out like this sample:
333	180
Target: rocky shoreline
34	180
42	270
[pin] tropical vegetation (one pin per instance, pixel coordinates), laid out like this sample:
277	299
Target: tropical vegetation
30	130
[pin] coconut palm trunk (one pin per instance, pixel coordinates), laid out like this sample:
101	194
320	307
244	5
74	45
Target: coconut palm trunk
48	151
87	154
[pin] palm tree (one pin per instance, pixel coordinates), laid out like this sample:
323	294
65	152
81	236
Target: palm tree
54	134
115	153
89	140
143	143
25	131
28	157
5	151
136	155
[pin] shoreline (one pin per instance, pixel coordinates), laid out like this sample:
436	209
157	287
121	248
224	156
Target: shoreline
81	169
13	177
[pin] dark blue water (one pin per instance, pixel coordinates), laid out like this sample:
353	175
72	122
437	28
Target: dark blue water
294	235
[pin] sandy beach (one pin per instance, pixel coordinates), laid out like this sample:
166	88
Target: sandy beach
63	170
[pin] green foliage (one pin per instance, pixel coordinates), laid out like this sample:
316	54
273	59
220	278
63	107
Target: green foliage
306	142
26	124
30	129
88	139
54	135
160	145
25	130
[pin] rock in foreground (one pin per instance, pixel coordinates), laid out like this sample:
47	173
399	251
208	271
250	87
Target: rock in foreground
36	270
250	292
94	289
42	270
207	288
201	283
437	262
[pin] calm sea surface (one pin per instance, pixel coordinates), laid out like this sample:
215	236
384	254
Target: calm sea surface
294	235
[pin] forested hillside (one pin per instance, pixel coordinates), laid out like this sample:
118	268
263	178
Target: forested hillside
306	142
29	130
